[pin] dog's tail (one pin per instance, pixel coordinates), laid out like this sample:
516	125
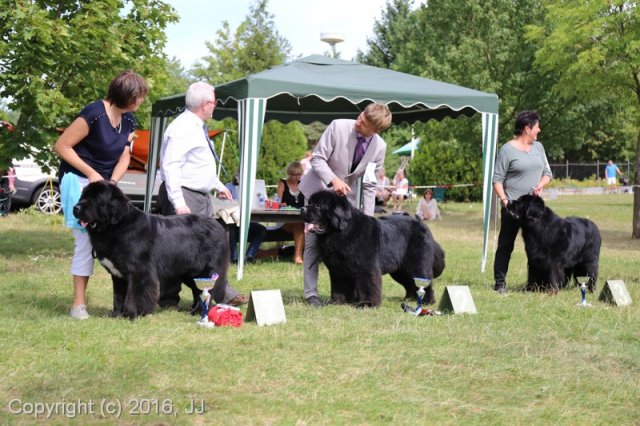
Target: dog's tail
438	260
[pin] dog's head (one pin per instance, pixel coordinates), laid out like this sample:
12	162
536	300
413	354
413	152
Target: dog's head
528	208
327	211
102	204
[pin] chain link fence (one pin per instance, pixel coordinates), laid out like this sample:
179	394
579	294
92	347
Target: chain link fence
581	171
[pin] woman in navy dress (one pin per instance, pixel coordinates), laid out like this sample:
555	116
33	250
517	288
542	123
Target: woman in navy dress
96	147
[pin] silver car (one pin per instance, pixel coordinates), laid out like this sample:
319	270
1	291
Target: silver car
35	187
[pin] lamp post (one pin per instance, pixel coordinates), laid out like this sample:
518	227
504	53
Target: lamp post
332	39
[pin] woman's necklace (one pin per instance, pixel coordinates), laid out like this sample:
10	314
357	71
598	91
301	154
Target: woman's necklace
112	120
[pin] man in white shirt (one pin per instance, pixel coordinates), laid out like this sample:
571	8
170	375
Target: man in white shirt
188	170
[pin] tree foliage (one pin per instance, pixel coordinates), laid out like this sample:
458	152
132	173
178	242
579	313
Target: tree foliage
446	162
594	48
490	46
475	44
253	47
57	56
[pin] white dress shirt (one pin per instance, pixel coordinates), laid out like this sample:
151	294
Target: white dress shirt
186	159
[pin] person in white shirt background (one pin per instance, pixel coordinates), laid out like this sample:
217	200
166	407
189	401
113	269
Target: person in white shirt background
401	190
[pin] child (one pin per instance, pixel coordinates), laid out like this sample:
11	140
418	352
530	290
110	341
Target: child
428	207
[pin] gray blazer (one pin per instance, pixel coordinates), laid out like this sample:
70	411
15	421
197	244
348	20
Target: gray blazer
333	156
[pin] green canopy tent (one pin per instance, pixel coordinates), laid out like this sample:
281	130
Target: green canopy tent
319	88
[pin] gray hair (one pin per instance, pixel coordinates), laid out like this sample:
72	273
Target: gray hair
197	94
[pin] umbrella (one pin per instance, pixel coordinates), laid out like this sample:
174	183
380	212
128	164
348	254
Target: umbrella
408	148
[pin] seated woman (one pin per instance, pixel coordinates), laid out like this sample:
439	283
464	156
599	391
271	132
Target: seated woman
427	207
401	190
290	196
382	189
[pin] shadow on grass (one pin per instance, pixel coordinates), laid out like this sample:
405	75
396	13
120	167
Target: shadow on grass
56	305
51	305
21	242
619	240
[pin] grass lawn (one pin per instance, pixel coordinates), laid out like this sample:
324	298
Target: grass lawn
522	359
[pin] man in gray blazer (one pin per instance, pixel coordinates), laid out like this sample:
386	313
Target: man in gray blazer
347	150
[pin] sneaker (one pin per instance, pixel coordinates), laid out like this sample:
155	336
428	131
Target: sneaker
314	301
79	312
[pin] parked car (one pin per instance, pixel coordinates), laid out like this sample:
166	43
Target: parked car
35	187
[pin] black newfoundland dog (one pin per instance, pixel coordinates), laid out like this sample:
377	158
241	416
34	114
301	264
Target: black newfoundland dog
141	251
557	248
358	249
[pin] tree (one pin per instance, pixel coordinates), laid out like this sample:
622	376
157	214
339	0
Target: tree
482	45
394	35
475	44
254	46
57	56
593	47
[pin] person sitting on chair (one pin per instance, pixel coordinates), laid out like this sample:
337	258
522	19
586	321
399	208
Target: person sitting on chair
290	196
428	207
401	190
382	189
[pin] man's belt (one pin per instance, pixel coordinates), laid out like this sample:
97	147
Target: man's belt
205	194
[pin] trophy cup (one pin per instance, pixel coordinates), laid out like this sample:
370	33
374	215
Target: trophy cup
419	310
205	284
583	291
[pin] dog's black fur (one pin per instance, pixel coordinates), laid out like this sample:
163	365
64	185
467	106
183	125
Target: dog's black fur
358	249
141	251
557	248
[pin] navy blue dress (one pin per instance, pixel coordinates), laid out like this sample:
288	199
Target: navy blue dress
104	144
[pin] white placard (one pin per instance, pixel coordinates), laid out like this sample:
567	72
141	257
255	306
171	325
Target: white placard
457	299
266	308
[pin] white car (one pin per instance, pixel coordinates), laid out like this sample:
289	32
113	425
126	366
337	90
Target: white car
33	186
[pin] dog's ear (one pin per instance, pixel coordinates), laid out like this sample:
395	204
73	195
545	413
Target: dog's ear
116	208
117	211
341	214
535	208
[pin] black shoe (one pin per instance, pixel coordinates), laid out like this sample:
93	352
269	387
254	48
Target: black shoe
314	301
500	289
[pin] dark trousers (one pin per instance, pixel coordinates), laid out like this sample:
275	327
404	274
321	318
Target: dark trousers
508	232
256	235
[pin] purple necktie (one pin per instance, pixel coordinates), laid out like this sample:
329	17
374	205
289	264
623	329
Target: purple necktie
361	147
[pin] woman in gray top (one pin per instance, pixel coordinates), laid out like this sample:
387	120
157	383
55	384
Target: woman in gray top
521	168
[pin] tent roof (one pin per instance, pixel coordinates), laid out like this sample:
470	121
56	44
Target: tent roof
319	88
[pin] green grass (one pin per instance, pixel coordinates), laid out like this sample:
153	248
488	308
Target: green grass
522	359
